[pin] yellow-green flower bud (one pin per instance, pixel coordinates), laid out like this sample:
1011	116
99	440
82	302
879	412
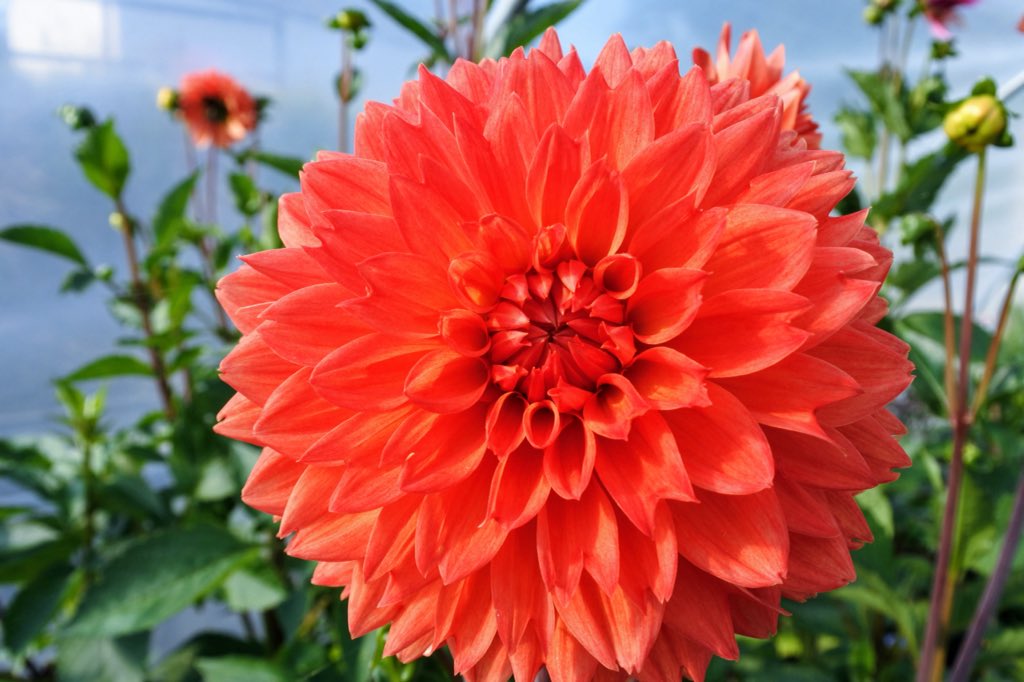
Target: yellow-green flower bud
873	15
167	99
350	20
976	122
119	221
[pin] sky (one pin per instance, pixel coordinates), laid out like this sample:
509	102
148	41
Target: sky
113	55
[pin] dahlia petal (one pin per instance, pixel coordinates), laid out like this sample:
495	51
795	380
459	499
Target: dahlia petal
294	268
253	369
363	488
518	491
237	418
817	565
293	224
596	213
514	145
332	573
568	461
270	482
679	237
789	394
587	117
806	508
612	408
651	567
458	544
722	445
358	439
755	235
546	91
368	140
839	230
552	175
837	298
630	120
301	327
447	103
744	330
245	293
391	540
665	303
347	182
474	630
353	238
674	166
363	613
778	187
824	461
756	611
368	373
699	610
468	79
334	537
308	499
294	415
667	379
465	333
614	61
850	518
822	192
405	292
618	275
493	665
741	539
448	453
643	471
445	382
568	660
527	658
505	424
428	223
477	280
878	446
650	61
499	195
741	150
516	587
572	535
679	101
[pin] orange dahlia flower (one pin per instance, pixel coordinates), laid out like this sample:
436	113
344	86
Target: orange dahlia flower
216	109
568	369
763	75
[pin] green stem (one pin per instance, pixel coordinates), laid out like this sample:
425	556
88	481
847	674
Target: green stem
993	350
933	656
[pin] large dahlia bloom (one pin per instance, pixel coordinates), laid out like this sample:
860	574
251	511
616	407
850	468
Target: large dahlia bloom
216	109
568	369
763	75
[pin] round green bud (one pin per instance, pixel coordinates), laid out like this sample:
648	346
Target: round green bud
167	99
976	122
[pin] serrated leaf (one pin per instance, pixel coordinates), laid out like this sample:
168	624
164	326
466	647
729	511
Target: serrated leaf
415	26
238	668
172	210
525	26
104	159
88	659
33	607
110	366
44	238
156	576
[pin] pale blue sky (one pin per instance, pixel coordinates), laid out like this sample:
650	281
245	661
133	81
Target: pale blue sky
114	54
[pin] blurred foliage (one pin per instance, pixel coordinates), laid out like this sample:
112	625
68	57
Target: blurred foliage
118	530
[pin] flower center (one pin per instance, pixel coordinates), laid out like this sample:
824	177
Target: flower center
555	332
214	109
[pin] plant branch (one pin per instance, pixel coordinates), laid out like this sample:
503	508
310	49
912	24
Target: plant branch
933	653
141	299
947	321
993	349
993	590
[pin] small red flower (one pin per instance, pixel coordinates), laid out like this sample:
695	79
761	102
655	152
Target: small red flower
764	76
940	14
569	370
216	109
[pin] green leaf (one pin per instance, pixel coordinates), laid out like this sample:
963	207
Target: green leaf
415	26
46	239
34	606
858	130
886	101
88	659
110	366
920	183
130	494
22	563
156	576
239	668
254	588
248	198
525	26
171	213
289	165
77	280
104	159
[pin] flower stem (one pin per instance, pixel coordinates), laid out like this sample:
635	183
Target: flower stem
343	93
141	298
933	654
993	590
947	322
993	349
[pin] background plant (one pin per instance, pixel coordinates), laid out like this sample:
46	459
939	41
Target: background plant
122	528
